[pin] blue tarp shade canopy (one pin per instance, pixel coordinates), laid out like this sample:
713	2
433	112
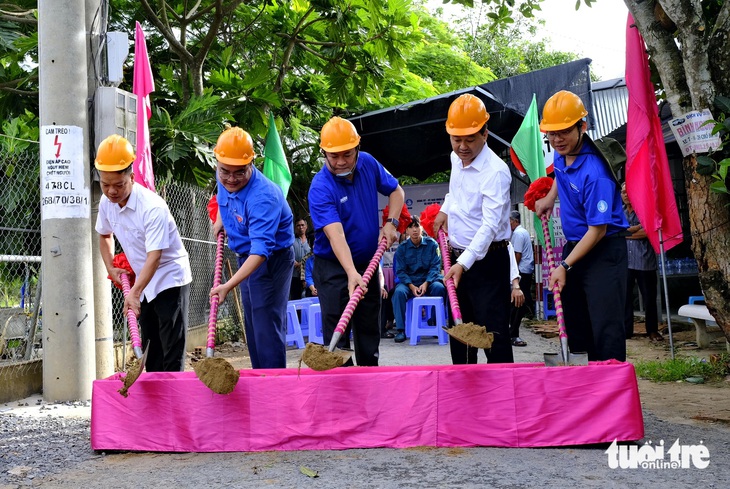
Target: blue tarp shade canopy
411	139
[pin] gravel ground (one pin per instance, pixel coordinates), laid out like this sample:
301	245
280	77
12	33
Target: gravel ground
47	445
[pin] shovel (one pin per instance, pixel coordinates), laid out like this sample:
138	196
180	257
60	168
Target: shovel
469	334
216	373
313	353
566	358
135	367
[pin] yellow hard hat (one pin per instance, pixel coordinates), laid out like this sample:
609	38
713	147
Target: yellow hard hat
338	134
234	147
467	115
561	111
114	154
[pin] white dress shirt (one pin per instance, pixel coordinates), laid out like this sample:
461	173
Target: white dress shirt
478	205
145	224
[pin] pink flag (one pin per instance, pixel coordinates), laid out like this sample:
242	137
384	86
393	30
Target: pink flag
142	86
648	181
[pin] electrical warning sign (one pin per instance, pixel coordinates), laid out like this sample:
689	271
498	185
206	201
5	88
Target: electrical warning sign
63	194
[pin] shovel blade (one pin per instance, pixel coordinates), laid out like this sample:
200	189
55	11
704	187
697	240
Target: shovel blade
574	359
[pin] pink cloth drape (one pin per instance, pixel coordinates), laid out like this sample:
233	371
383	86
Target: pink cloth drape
504	405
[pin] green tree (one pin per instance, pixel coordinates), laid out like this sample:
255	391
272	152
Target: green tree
18	53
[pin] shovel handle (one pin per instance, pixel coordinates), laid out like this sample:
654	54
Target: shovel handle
213	316
556	290
132	320
450	287
357	294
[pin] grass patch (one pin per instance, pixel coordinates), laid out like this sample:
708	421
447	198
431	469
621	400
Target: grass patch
716	368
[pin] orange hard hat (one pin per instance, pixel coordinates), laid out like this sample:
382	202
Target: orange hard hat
338	134
467	115
114	154
561	111
234	147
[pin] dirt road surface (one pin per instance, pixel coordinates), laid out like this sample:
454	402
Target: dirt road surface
692	414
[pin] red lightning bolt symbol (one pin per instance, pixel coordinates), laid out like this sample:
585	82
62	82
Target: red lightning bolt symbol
57	143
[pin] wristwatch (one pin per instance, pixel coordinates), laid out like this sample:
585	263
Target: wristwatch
516	287
566	266
393	221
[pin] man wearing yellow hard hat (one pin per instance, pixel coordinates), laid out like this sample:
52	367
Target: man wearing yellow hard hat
476	214
593	273
143	225
343	203
260	229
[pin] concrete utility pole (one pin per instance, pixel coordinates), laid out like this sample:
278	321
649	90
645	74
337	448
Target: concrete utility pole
104	328
68	296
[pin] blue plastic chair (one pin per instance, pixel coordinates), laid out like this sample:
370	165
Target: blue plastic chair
417	326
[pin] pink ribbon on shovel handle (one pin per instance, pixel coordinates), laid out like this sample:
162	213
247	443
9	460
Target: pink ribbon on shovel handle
357	294
556	290
450	287
132	320
213	316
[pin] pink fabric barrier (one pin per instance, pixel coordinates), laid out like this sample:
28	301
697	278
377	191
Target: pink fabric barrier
520	405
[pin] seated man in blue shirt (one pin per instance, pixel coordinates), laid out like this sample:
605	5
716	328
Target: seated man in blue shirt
259	225
418	272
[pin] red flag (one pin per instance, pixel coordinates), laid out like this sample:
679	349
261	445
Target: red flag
142	86
648	181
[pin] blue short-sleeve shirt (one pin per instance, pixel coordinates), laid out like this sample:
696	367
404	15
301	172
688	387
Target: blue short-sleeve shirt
354	204
257	218
589	196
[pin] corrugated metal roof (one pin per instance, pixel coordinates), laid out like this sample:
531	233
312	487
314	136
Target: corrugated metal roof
610	106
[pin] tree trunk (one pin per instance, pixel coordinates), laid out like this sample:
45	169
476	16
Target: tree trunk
708	215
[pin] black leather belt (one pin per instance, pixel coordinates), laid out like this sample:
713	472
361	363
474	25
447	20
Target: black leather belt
496	245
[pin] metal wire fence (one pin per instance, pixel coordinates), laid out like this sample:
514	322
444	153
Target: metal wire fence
21	312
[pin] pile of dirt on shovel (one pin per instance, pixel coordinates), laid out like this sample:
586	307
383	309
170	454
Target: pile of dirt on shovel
134	370
472	334
217	374
318	357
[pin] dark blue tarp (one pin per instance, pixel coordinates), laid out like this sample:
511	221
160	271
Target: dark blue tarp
411	139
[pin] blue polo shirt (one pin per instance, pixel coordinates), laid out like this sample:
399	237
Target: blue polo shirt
257	218
588	194
354	204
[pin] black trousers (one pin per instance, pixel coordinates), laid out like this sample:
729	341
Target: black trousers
646	280
594	298
484	294
517	313
164	324
330	280
296	288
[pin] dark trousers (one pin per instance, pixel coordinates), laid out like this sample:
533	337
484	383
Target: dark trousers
296	287
164	324
646	280
386	312
483	295
593	299
330	280
264	295
517	313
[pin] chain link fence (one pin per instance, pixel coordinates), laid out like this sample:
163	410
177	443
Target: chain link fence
21	312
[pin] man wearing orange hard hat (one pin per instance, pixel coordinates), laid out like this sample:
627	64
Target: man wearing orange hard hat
475	213
260	229
343	203
144	227
592	275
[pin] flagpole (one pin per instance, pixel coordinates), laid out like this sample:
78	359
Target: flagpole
666	292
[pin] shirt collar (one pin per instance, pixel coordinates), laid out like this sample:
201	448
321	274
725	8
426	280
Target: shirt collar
133	199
